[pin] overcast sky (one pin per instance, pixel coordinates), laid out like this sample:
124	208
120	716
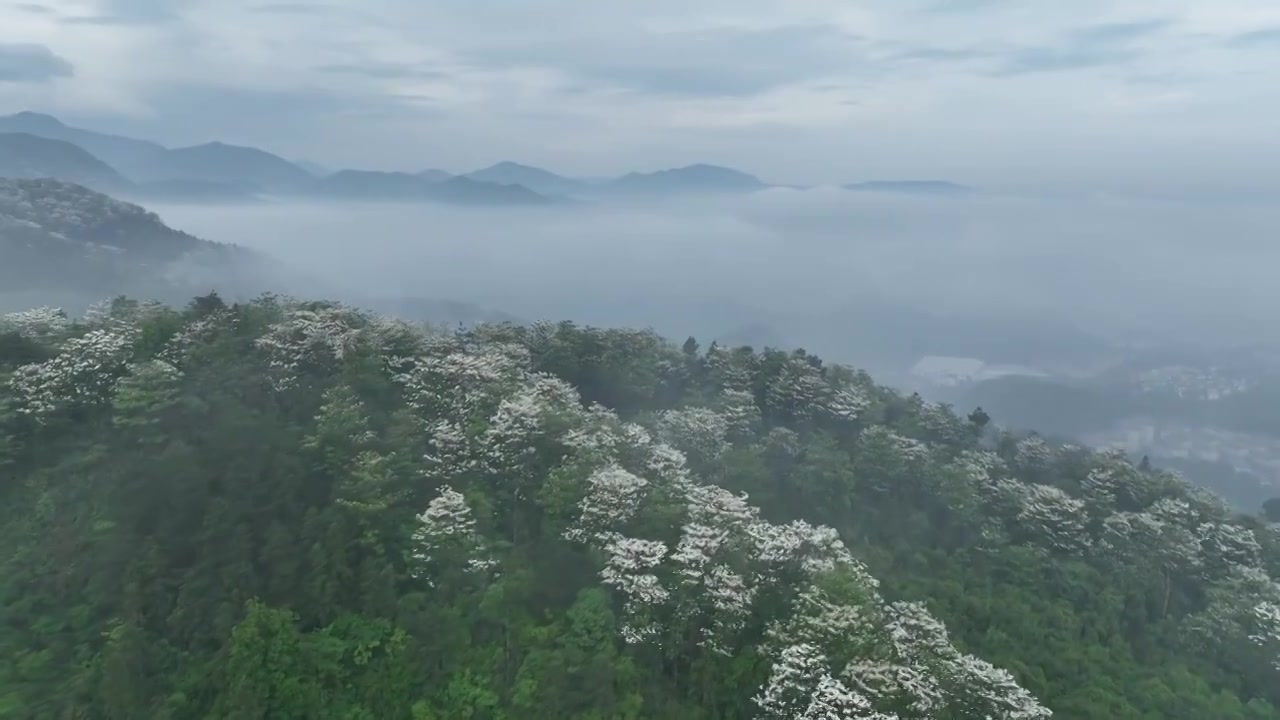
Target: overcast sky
998	92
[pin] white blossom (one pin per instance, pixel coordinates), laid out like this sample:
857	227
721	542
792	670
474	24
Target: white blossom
310	335
628	570
1052	517
700	432
846	404
1229	545
613	496
1266	633
740	412
792	680
892	683
447	522
833	700
989	691
1032	454
798	390
42	323
85	372
697	548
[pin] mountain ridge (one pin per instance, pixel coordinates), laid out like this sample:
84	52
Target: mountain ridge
237	166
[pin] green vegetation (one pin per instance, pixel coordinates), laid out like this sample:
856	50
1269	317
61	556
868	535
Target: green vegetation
296	510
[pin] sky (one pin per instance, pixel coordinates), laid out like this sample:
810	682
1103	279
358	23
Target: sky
1104	94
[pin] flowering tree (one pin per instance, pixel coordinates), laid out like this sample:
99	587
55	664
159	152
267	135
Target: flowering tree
85	372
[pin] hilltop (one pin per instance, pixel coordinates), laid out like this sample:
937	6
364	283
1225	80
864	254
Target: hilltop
298	509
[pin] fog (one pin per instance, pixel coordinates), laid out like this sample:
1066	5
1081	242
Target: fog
860	277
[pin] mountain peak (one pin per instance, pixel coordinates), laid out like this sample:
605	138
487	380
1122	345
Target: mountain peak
697	177
532	178
510	165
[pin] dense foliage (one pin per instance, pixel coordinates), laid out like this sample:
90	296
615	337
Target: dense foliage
297	510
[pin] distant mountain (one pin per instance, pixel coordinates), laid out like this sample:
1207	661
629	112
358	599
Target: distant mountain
466	191
132	158
434	175
66	242
371	185
536	179
692	178
23	155
911	187
234	164
142	161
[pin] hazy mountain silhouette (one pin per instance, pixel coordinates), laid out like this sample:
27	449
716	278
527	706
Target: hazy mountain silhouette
223	163
691	178
23	155
434	175
143	161
536	179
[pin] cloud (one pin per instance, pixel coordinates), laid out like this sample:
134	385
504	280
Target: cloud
143	11
1094	46
1039	60
381	70
31	63
1108	34
799	91
702	62
1257	38
34	8
292	8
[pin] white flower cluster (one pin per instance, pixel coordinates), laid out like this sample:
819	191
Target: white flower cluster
459	383
1053	517
612	498
1267	632
629	568
176	351
700	433
902	658
85	372
447	524
310	335
799	390
740	412
520	420
42	323
120	313
1032	454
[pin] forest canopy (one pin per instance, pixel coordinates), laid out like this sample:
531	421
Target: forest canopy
289	509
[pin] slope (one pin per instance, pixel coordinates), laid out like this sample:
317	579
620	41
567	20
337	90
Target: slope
65	240
287	509
131	157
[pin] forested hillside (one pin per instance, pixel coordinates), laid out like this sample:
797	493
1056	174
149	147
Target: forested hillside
59	239
286	509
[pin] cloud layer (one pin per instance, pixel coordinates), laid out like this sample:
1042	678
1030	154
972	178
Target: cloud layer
1099	92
